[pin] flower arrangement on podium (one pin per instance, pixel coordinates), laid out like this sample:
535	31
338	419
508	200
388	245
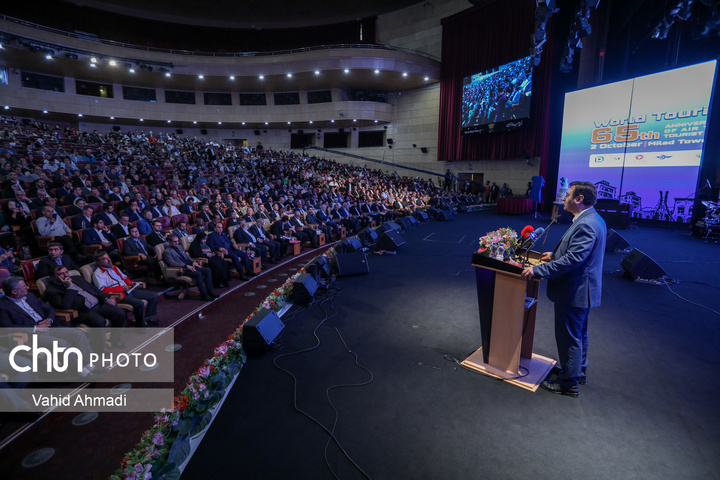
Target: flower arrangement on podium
505	236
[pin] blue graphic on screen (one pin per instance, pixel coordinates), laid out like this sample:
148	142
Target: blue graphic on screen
641	140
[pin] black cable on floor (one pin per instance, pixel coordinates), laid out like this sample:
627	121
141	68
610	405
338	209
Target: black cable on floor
667	284
450	358
331	292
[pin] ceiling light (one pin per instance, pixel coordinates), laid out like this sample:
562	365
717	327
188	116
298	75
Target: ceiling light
219	123
289	75
201	76
48	57
113	63
112	118
354	119
142	120
132	70
288	123
427	78
232	77
92	65
375	121
45	111
404	74
243	123
377	71
93	60
310	120
332	121
261	77
194	122
79	114
266	123
7	107
347	70
169	121
317	72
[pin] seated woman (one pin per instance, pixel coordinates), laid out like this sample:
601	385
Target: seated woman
219	268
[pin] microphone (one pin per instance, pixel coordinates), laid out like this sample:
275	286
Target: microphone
533	236
527	231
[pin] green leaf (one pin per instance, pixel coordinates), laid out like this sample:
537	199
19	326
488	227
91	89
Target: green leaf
201	423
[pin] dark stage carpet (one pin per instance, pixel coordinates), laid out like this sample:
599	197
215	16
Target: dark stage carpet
649	410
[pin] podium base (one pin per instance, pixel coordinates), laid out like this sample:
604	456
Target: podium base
537	367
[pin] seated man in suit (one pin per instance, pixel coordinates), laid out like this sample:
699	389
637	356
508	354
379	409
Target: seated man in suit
297	221
325	219
100	234
23	310
122	228
181	230
169	209
312	220
108	215
175	256
154	208
46	265
110	279
270	239
83	220
145	223
243	235
218	241
134	211
136	245
94	307
156	237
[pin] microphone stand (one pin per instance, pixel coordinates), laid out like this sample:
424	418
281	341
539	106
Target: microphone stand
527	250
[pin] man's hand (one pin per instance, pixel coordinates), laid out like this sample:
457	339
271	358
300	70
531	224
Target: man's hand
143	256
223	250
111	301
527	273
43	326
546	257
67	282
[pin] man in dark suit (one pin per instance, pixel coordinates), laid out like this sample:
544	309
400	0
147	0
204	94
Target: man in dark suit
122	228
136	245
175	256
574	270
275	247
99	234
23	310
46	265
300	226
153	207
108	215
218	241
156	237
94	307
83	220
314	221
325	219
181	230
242	235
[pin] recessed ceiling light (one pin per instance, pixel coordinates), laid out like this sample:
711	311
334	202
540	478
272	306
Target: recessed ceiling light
113	63
169	121
7	107
232	77
404	74
288	123
93	60
167	74
317	72
219	123
332	121
142	120
310	121
347	70
243	123
79	114
194	122
354	119
261	77
201	76
289	75
45	111
48	57
266	123
375	121
427	78
377	71
132	70
112	118
93	65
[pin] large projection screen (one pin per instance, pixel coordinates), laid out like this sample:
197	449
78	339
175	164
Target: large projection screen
641	140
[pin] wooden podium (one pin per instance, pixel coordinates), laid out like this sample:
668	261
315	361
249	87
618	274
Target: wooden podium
507	304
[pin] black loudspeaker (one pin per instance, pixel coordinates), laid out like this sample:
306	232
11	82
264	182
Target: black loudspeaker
389	225
203	131
390	240
615	242
179	131
318	268
116	128
348	264
304	288
443	215
256	132
260	331
422	216
390	141
368	236
424	149
638	265
405	222
351	244
413	220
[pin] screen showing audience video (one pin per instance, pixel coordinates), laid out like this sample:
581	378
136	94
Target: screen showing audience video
498	99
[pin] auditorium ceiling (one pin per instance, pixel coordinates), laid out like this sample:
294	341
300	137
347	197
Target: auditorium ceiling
249	13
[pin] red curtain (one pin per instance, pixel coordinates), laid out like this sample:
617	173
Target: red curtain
479	39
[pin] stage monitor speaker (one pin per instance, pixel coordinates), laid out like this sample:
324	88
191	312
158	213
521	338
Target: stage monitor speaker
443	215
348	264
422	216
413	220
405	222
318	268
349	245
304	288
390	240
638	265
615	242
389	225
261	331
368	236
